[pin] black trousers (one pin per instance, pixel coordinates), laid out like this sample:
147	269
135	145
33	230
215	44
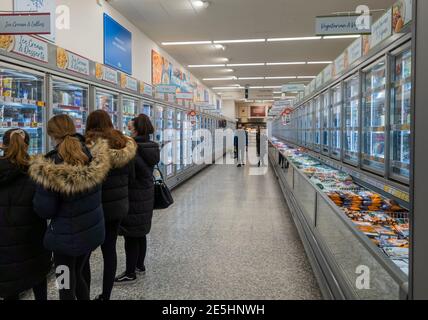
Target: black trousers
108	249
40	292
135	249
78	288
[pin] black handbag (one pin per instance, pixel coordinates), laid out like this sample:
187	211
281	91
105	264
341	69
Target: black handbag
163	197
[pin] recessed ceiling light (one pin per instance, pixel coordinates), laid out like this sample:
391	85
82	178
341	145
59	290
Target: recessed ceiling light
223	59
320	62
183	43
284	63
200	4
306	77
246	64
251	78
205	65
228	70
220	79
353	36
240	41
293	39
227	88
219	47
286	77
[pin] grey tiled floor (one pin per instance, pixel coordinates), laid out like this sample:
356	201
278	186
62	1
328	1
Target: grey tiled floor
229	235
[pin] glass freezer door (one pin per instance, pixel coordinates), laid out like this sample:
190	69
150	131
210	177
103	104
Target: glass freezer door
130	107
72	99
351	136
22	106
374	117
336	123
170	141
401	116
317	128
108	101
148	109
325	115
179	141
187	141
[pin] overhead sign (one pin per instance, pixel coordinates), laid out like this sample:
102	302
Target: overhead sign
106	74
382	29
24	45
117	45
293	87
184	95
39	6
129	83
146	89
28	23
341	25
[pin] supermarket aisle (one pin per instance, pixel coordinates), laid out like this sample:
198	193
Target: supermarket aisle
229	236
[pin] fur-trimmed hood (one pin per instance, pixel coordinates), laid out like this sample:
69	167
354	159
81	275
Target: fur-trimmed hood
69	179
121	157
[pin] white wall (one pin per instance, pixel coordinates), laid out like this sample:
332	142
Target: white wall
229	109
85	36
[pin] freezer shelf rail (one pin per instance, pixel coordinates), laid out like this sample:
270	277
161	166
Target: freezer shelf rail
339	252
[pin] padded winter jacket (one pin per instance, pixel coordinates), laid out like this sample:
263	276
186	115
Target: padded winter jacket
115	195
24	262
70	197
141	190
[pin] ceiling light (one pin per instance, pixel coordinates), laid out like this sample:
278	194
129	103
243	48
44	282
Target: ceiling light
353	36
228	70
220	79
257	87
219	47
240	41
293	39
320	62
205	65
287	77
277	92
183	43
200	4
284	63
227	88
245	64
251	78
272	87
223	59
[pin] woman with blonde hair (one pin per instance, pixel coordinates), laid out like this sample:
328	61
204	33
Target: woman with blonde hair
68	193
24	262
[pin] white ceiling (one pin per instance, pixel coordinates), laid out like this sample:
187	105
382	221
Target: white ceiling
179	20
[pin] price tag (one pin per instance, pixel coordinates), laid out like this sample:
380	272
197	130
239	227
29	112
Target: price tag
34	124
40	104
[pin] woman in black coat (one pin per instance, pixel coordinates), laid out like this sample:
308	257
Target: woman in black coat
137	224
69	183
24	262
122	151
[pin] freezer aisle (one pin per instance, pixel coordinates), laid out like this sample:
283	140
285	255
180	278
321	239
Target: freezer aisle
228	236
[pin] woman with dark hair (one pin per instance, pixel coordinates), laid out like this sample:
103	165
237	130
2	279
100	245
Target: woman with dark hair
122	151
24	262
137	224
69	180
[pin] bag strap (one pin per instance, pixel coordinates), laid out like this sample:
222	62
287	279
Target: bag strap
160	173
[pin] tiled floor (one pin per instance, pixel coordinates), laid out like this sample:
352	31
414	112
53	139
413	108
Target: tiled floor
229	235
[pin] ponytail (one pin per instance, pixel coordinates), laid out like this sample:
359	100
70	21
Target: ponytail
70	150
15	148
61	128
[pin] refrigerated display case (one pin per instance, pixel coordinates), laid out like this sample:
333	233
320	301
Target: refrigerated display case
336	122
401	86
374	117
148	109
108	102
130	110
22	105
325	123
70	98
187	141
169	140
351	132
317	124
179	141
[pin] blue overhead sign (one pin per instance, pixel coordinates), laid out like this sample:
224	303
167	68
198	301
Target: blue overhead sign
117	45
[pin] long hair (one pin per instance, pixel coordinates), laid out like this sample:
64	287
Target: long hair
99	125
15	147
62	129
143	126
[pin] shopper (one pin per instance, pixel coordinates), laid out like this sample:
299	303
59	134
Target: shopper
24	262
241	145
122	151
68	194
137	224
